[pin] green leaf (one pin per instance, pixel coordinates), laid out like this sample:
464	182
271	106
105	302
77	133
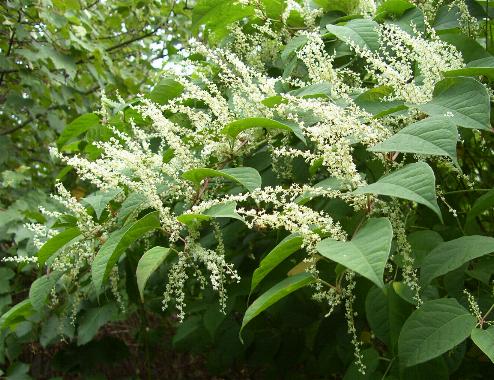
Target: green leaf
362	32
40	290
117	243
148	263
466	99
432	136
453	254
484	339
367	253
374	101
78	127
293	45
285	248
273	295
478	67
248	177
57	242
331	183
436	327
321	89
15	314
481	204
100	199
92	320
222	210
237	126
415	182
132	205
166	90
217	15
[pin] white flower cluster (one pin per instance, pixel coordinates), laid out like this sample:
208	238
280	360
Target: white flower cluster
402	55
232	83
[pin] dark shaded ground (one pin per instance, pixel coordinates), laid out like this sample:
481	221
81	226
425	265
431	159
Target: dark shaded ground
119	353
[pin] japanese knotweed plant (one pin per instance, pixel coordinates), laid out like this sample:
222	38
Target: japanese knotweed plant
339	133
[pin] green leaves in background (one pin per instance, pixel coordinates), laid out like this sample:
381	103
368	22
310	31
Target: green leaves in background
100	199
367	252
247	177
56	243
273	295
465	99
361	32
92	320
453	254
16	314
234	128
289	245
216	16
148	263
77	127
415	182
165	90
484	339
117	243
436	327
431	136
478	67
222	210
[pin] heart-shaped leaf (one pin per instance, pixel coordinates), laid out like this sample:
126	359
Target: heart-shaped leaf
438	326
465	100
248	177
453	254
432	136
415	182
366	254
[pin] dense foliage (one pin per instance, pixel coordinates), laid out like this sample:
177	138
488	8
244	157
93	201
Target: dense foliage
305	192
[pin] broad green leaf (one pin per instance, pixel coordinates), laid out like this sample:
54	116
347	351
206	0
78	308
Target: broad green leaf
361	32
465	99
392	8
331	183
293	45
15	314
92	320
273	295
100	199
374	101
218	15
77	127
285	248
422	242
453	254
321	89
132	205
484	339
481	204
148	263
117	243
248	177
41	288
478	67
57	242
222	210
415	182
367	253
432	136
165	90
436	327
237	126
